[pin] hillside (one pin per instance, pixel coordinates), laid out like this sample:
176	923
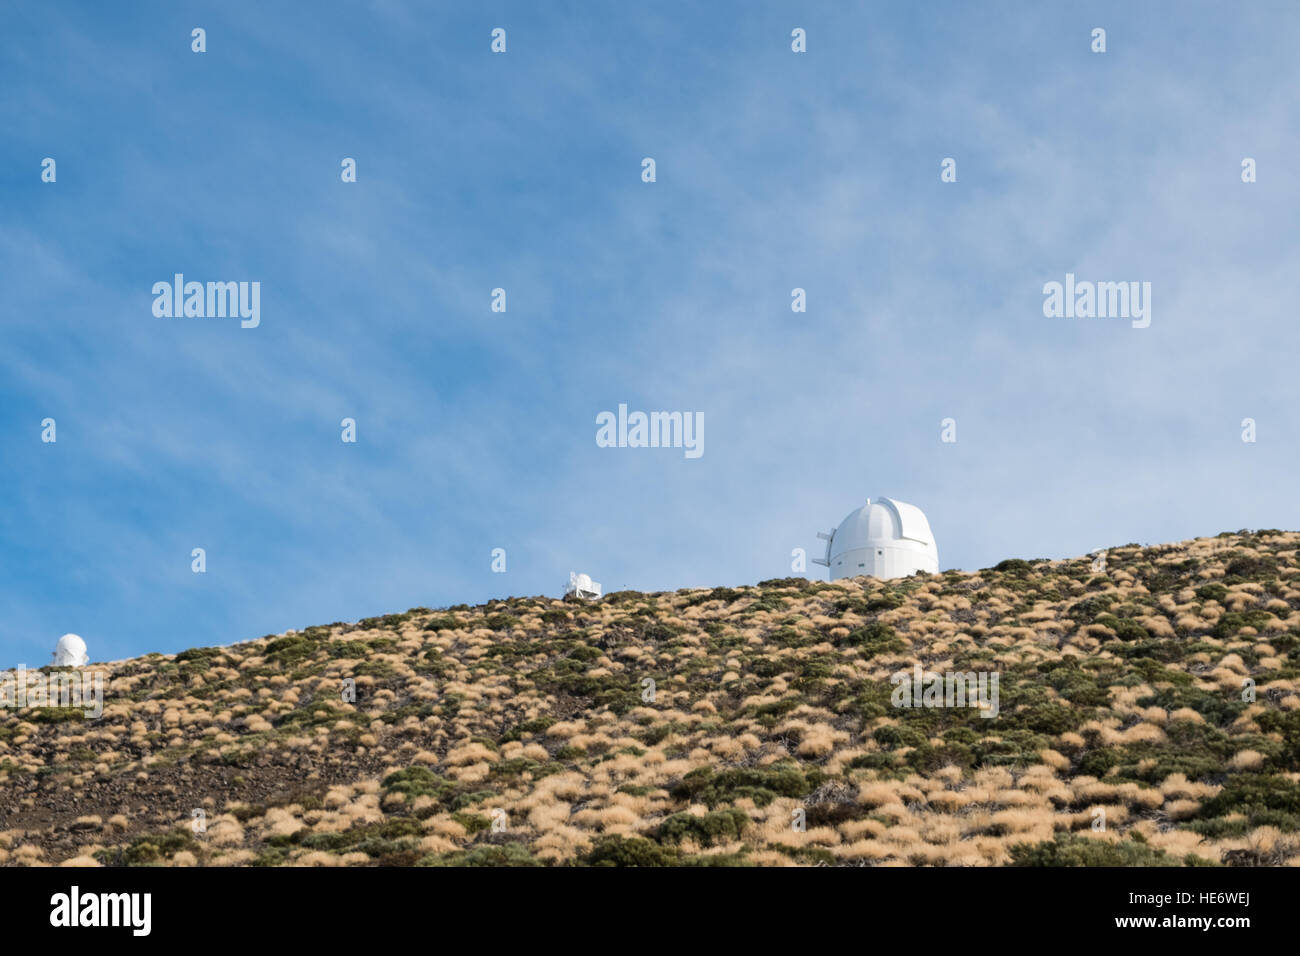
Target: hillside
1119	689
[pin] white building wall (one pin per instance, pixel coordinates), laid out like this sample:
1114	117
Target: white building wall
895	560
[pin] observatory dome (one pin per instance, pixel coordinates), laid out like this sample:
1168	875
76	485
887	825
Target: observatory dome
70	651
884	538
582	586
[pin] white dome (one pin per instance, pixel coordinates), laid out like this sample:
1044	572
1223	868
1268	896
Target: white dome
581	585
884	538
70	651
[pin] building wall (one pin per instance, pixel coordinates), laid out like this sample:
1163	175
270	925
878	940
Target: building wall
895	559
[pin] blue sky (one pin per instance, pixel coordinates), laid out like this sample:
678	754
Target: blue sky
476	429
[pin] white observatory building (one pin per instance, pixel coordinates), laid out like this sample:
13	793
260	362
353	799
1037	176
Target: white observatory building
70	652
582	586
884	538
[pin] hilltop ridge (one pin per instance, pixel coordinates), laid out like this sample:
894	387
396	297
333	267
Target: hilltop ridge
1147	713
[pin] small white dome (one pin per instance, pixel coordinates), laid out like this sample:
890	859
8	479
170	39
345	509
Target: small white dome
70	651
884	538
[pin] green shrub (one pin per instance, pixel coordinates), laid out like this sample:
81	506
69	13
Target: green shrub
486	854
1232	621
721	826
1251	568
1125	628
56	715
884	601
416	781
199	654
472	822
445	623
1085	612
1069	849
153	848
1252	794
290	650
630	851
760	784
349	649
876	638
1212	592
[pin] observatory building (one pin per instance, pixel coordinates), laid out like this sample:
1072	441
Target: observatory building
70	652
884	538
582	586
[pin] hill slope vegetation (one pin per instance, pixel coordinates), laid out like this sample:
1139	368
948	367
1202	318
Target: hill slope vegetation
1146	713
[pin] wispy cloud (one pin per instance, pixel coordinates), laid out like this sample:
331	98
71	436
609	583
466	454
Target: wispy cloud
476	429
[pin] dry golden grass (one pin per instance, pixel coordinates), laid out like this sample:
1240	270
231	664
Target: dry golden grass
517	732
